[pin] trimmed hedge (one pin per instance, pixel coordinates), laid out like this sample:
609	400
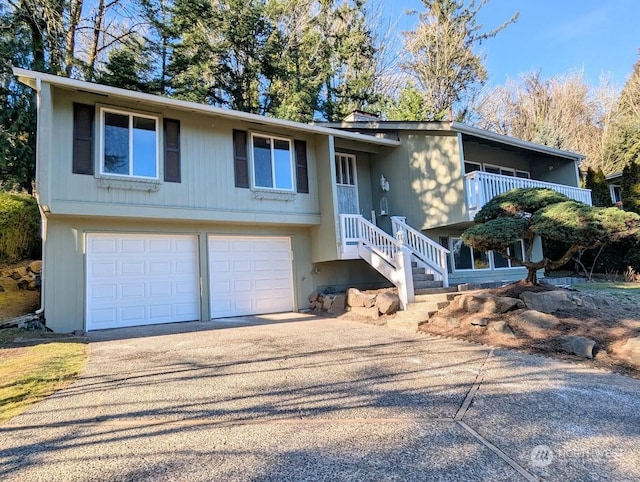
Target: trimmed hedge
19	228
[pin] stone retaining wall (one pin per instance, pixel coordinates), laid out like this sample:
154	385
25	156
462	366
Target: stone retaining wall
21	277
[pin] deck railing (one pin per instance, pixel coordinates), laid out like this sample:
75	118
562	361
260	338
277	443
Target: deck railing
481	187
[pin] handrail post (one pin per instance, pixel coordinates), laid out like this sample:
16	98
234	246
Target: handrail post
404	272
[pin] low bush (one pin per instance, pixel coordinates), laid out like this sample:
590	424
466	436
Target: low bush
19	228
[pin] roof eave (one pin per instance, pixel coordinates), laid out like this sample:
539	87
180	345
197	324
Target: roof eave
31	78
513	141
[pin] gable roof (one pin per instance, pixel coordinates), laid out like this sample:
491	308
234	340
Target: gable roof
34	79
454	127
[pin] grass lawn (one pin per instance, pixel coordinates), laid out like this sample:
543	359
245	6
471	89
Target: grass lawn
30	373
629	291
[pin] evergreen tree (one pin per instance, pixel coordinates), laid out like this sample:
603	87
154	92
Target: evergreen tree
441	55
624	142
597	182
409	106
225	55
128	68
631	187
17	106
350	58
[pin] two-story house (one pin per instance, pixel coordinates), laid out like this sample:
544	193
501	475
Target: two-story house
158	210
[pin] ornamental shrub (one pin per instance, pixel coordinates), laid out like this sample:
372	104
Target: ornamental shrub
19	228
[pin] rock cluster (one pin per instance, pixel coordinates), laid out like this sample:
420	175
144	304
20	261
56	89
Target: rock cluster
21	278
371	305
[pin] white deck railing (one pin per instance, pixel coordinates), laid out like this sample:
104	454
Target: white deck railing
428	253
481	187
389	256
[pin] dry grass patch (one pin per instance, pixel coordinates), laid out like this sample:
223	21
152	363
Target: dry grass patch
30	373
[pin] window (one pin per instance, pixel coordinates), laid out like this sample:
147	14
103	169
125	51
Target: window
516	250
345	170
523	174
470	166
491	169
129	144
616	195
272	163
466	258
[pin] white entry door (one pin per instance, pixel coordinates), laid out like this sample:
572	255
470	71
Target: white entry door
250	275
141	279
347	184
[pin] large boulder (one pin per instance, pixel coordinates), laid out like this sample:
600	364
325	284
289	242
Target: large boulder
537	320
448	321
357	298
485	303
630	351
579	345
35	267
501	328
387	303
339	304
8	284
371	313
548	301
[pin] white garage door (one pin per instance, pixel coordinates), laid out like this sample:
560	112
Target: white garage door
135	279
250	275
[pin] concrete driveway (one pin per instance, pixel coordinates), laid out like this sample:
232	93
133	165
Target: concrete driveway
301	398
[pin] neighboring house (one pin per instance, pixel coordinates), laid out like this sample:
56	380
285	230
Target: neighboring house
615	187
157	210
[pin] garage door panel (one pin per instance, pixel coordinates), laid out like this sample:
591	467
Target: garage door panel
250	275
135	279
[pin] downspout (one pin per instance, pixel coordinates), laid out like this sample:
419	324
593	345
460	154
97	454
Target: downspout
43	219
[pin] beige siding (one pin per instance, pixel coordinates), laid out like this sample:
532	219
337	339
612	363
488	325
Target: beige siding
64	261
425	178
207	189
326	236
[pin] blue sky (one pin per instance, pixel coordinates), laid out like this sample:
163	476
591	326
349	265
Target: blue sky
552	36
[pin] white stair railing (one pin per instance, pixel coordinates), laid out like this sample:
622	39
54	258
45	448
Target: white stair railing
389	256
427	252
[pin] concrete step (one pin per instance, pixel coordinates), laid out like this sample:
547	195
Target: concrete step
434	291
427	307
422	277
434	297
421	285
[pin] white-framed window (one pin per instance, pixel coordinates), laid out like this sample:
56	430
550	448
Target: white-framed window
470	166
465	258
616	193
505	171
129	144
516	250
346	170
272	162
523	174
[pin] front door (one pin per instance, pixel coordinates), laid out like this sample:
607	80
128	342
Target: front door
347	184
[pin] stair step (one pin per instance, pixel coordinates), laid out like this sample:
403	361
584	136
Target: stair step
434	291
434	298
429	307
422	277
421	285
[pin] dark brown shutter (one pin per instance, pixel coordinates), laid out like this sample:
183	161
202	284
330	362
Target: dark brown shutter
171	150
302	172
83	119
241	164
